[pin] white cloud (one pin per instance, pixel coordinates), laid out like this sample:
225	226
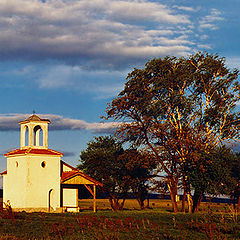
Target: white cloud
100	83
145	11
204	46
209	21
188	9
97	33
233	62
92	44
9	122
203	37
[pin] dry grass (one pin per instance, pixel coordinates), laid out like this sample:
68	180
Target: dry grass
131	204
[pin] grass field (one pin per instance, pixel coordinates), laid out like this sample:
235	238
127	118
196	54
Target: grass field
131	204
215	221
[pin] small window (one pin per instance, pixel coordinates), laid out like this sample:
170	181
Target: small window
16	164
43	164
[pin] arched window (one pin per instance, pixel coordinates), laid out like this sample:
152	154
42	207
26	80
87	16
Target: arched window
38	136
26	136
43	164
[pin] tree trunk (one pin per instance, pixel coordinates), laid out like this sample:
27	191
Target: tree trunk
148	206
141	197
197	198
198	204
172	186
122	204
190	202
184	201
115	204
187	192
141	203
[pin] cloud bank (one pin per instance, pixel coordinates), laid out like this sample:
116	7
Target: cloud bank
9	122
89	46
97	33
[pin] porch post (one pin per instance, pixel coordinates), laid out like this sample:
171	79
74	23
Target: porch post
94	198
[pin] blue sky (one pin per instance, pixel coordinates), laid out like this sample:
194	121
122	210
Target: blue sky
66	59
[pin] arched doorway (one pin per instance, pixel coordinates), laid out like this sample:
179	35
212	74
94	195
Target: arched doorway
50	199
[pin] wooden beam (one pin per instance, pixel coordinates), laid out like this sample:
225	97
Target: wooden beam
77	198
89	189
94	198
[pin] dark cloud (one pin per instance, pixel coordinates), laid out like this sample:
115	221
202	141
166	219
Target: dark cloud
9	122
69	154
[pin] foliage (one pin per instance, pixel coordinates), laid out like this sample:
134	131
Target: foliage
178	108
139	166
119	170
235	174
212	174
101	161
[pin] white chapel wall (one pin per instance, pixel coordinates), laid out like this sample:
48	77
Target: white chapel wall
27	183
14	183
43	176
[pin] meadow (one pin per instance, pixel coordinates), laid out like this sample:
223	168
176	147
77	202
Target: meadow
214	221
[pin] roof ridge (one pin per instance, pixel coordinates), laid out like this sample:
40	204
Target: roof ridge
33	151
34	117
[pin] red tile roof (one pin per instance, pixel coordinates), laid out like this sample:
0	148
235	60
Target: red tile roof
34	118
2	173
70	174
75	172
33	151
67	175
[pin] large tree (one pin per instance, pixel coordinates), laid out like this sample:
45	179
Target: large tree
177	108
101	161
235	174
121	171
139	170
213	174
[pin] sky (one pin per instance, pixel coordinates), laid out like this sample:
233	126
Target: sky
66	59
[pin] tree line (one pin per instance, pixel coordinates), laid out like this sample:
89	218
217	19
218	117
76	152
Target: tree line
177	115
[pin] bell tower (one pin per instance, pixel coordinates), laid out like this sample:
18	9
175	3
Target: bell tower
32	180
30	132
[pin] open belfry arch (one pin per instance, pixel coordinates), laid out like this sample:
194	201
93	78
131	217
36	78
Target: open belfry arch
37	179
33	126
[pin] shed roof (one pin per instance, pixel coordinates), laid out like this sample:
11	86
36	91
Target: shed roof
3	173
70	175
66	175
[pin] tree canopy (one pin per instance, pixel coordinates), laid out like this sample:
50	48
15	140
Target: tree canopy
101	161
177	108
119	170
213	174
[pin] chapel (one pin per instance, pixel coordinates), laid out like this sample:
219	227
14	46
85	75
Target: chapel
37	179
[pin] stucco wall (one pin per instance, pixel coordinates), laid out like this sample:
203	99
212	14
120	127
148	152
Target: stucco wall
14	183
70	197
65	168
28	184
